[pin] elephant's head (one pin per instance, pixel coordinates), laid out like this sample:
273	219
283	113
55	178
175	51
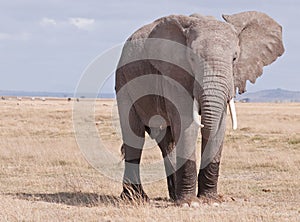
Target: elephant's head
222	55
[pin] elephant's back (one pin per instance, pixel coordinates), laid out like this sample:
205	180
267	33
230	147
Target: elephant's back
143	32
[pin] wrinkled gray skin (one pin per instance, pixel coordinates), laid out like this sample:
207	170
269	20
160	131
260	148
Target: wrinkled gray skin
233	51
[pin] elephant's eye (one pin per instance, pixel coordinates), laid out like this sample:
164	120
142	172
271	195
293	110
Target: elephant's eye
234	56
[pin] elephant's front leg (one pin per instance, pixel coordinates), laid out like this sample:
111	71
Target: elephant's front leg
186	174
133	135
132	187
211	150
209	174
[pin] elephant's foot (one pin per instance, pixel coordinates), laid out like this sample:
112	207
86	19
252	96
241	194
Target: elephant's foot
135	193
207	184
210	198
188	202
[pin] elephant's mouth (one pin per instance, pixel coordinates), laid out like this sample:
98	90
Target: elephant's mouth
231	109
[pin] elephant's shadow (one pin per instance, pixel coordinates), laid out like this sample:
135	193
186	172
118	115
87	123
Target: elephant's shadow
85	199
71	198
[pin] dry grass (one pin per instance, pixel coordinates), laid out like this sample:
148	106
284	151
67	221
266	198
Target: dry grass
44	176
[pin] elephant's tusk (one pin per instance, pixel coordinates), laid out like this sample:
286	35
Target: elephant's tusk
233	114
196	113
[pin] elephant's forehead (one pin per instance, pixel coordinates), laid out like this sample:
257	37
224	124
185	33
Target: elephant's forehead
213	45
214	28
207	38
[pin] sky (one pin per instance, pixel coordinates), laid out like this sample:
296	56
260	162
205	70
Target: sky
46	45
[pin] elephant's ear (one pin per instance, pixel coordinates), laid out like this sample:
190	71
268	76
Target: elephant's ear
260	44
167	43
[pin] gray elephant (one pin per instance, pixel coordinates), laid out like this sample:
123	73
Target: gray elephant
177	68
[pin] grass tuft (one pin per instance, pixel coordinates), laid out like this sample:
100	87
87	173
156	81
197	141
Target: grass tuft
294	141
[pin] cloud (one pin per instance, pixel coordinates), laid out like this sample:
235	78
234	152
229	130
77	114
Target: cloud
82	23
47	22
5	36
23	36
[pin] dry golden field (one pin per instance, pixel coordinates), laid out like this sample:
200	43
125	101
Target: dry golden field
44	176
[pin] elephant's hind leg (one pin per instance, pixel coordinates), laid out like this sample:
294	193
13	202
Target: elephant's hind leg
166	144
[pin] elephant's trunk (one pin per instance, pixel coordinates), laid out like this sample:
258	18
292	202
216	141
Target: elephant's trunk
231	109
213	111
213	99
213	104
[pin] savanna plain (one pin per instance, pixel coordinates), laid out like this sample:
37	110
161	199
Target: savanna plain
45	177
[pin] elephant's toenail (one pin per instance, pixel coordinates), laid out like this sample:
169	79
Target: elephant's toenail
185	205
195	205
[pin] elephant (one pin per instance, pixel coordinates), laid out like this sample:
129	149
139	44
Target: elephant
172	72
